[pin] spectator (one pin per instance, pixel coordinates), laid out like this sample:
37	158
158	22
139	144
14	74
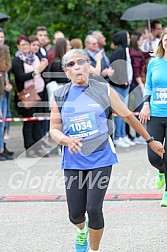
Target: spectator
61	47
151	43
121	81
76	43
42	34
57	34
5	65
48	45
34	44
91	45
105	63
2	37
138	65
27	69
8	88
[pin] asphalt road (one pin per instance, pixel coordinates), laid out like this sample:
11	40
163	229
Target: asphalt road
32	221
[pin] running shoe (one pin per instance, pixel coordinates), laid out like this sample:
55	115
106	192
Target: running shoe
127	140
164	200
120	143
82	244
159	180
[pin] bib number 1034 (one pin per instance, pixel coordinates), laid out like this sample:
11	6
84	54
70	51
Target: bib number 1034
81	126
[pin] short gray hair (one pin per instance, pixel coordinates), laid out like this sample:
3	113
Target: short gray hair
70	53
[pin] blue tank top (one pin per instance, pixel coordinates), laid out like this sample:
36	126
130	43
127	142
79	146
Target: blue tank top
83	117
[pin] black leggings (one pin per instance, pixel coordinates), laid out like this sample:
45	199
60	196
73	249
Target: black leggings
157	127
85	191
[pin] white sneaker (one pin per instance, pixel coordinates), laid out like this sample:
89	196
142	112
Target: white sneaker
140	140
127	140
120	143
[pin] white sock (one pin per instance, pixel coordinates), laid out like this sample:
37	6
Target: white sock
90	250
82	230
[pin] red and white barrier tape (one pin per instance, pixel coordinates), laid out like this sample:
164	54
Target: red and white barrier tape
41	118
25	119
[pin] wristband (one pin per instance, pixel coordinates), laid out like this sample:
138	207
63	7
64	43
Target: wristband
150	140
34	73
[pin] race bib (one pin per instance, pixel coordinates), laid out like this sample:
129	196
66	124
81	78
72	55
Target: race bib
160	96
82	125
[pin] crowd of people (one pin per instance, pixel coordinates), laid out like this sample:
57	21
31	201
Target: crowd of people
65	73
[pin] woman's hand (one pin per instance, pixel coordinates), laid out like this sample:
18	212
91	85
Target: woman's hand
99	56
42	66
110	72
141	85
104	73
74	145
157	147
8	87
145	113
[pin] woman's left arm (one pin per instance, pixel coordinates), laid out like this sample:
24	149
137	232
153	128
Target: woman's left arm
74	144
122	111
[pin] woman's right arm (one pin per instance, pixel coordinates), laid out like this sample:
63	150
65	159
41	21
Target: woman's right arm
97	69
18	70
145	112
74	145
136	65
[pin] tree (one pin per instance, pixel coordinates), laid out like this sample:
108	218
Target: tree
74	17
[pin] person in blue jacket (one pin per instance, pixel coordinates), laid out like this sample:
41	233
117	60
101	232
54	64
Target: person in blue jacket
80	121
154	111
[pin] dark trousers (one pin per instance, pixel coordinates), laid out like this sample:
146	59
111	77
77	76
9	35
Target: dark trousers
157	127
32	130
85	191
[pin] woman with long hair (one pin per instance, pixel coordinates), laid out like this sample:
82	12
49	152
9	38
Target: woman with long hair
154	111
139	64
5	65
61	47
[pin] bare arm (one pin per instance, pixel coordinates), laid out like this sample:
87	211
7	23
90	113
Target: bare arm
97	69
140	83
122	111
145	113
74	145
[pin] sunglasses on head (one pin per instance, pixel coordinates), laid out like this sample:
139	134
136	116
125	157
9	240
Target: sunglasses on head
79	62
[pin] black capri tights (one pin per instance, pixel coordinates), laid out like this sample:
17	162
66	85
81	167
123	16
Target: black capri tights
157	127
85	191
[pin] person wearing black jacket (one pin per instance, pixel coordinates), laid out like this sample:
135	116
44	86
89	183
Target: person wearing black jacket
56	67
27	68
120	81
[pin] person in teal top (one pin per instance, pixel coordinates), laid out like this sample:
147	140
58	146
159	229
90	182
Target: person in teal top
79	121
154	111
156	86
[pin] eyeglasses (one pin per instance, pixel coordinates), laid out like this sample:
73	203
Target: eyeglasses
79	62
26	44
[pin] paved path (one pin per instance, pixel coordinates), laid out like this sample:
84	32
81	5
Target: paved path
33	211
